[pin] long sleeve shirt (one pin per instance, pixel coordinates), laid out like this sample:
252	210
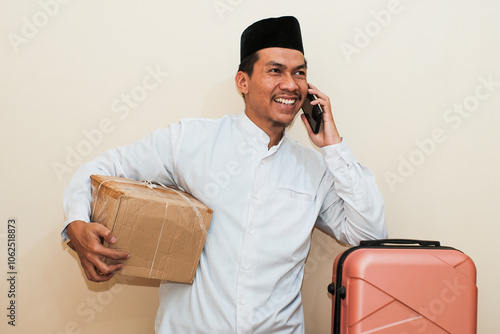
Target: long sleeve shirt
266	203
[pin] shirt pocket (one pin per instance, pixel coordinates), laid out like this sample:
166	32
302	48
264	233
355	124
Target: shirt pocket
294	194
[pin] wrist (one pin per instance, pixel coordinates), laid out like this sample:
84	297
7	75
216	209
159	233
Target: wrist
333	141
73	226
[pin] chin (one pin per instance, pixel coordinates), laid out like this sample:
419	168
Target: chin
286	120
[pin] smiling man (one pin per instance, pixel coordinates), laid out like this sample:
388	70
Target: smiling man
275	91
249	277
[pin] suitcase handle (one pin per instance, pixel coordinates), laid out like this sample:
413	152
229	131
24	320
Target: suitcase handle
381	242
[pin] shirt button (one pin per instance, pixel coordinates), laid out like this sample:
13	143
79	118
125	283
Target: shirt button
250	230
246	267
257	196
342	153
243	301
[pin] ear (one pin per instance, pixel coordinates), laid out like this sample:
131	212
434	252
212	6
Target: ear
241	80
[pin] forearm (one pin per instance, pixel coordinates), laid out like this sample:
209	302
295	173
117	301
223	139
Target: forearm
78	194
141	160
354	209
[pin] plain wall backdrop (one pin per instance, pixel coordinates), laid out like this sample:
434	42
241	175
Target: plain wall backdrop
415	91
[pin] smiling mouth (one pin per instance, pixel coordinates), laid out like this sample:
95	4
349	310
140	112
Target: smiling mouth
288	102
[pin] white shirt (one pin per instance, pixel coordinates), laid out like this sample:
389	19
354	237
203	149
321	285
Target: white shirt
266	203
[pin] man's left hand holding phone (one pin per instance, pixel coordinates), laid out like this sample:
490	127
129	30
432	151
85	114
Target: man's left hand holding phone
327	131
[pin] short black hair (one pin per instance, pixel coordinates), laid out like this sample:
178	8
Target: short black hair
248	63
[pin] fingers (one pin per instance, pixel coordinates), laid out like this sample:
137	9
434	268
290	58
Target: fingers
313	90
105	233
86	239
96	269
112	253
328	134
108	236
322	98
93	274
324	101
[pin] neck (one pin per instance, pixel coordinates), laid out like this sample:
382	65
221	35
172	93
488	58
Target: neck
273	129
274	138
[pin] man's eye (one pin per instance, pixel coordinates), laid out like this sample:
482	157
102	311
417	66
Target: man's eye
274	70
302	73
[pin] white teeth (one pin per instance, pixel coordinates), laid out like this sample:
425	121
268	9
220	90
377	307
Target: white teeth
285	101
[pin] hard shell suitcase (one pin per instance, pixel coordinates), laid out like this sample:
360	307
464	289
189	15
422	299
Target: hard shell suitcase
399	286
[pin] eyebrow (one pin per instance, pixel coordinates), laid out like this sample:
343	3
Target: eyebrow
274	63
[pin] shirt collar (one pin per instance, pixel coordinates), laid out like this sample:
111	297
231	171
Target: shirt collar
254	131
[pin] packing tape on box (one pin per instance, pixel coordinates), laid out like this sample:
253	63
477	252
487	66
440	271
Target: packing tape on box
152	186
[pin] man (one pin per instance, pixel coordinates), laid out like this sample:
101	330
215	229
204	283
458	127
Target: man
274	192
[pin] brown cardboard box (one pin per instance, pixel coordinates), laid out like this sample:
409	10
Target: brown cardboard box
163	229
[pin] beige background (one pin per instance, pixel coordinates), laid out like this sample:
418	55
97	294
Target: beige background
397	72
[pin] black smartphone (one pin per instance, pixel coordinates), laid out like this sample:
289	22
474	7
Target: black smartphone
314	114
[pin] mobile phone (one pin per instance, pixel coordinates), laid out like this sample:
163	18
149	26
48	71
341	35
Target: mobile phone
314	114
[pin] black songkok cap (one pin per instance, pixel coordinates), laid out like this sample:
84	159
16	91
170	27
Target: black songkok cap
280	32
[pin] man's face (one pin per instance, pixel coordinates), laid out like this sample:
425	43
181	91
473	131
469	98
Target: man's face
275	91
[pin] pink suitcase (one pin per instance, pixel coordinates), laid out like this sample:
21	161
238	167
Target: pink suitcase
399	286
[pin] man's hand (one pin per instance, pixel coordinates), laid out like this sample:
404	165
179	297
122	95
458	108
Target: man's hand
328	134
85	238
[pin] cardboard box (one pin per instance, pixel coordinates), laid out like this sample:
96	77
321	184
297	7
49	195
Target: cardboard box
163	229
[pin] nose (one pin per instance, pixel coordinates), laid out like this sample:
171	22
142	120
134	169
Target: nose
288	83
